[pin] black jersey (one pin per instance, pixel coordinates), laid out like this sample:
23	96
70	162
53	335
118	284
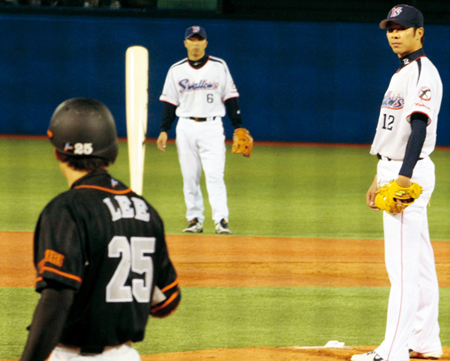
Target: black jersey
107	243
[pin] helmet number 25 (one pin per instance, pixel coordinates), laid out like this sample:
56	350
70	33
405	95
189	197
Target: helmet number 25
135	257
83	148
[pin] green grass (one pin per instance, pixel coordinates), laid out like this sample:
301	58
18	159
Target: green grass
210	318
272	316
280	191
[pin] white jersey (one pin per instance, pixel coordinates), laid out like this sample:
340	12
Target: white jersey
199	92
415	87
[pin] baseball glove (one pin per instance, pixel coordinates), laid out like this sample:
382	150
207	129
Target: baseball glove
394	199
242	142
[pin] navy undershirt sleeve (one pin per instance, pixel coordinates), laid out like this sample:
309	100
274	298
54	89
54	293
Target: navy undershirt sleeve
168	116
419	122
234	112
48	323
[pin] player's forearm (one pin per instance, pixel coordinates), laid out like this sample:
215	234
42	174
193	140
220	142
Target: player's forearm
372	193
48	323
234	112
415	144
168	116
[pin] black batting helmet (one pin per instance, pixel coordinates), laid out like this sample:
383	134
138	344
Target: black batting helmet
83	127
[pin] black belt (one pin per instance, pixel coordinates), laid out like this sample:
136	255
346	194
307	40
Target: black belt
91	350
379	156
201	119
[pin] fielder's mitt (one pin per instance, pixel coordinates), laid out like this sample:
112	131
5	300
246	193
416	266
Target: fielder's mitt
390	194
242	142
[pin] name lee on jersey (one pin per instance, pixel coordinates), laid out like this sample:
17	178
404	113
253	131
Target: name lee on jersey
124	207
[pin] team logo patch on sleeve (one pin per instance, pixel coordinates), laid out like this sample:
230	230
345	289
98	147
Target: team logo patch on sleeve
48	263
52	257
425	93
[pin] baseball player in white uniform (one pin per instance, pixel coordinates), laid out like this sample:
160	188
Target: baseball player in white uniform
199	90
405	137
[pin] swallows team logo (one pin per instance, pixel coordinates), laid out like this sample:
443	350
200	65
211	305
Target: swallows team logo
396	12
187	86
392	101
425	93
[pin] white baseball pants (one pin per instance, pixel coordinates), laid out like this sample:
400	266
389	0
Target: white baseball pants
202	145
412	319
119	353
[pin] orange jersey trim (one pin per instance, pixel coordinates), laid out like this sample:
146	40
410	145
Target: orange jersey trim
168	302
173	284
64	274
105	189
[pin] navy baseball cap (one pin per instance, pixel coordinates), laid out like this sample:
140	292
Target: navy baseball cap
192	30
405	15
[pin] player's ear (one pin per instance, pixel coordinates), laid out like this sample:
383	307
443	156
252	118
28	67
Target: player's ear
420	32
184	42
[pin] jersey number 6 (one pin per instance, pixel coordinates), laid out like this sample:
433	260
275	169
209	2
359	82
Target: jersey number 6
133	257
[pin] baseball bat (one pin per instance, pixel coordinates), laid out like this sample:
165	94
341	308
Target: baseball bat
136	69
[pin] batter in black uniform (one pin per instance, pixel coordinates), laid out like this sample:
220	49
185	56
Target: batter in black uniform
99	250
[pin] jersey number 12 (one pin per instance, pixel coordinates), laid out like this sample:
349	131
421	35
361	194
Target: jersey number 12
135	258
388	121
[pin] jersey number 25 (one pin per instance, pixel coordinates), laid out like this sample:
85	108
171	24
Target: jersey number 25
135	258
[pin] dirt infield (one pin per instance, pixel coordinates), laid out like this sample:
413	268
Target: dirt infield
229	261
249	261
270	354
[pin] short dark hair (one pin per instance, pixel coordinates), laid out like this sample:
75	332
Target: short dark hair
90	164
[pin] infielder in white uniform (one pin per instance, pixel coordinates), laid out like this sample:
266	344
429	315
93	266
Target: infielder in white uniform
200	91
404	139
